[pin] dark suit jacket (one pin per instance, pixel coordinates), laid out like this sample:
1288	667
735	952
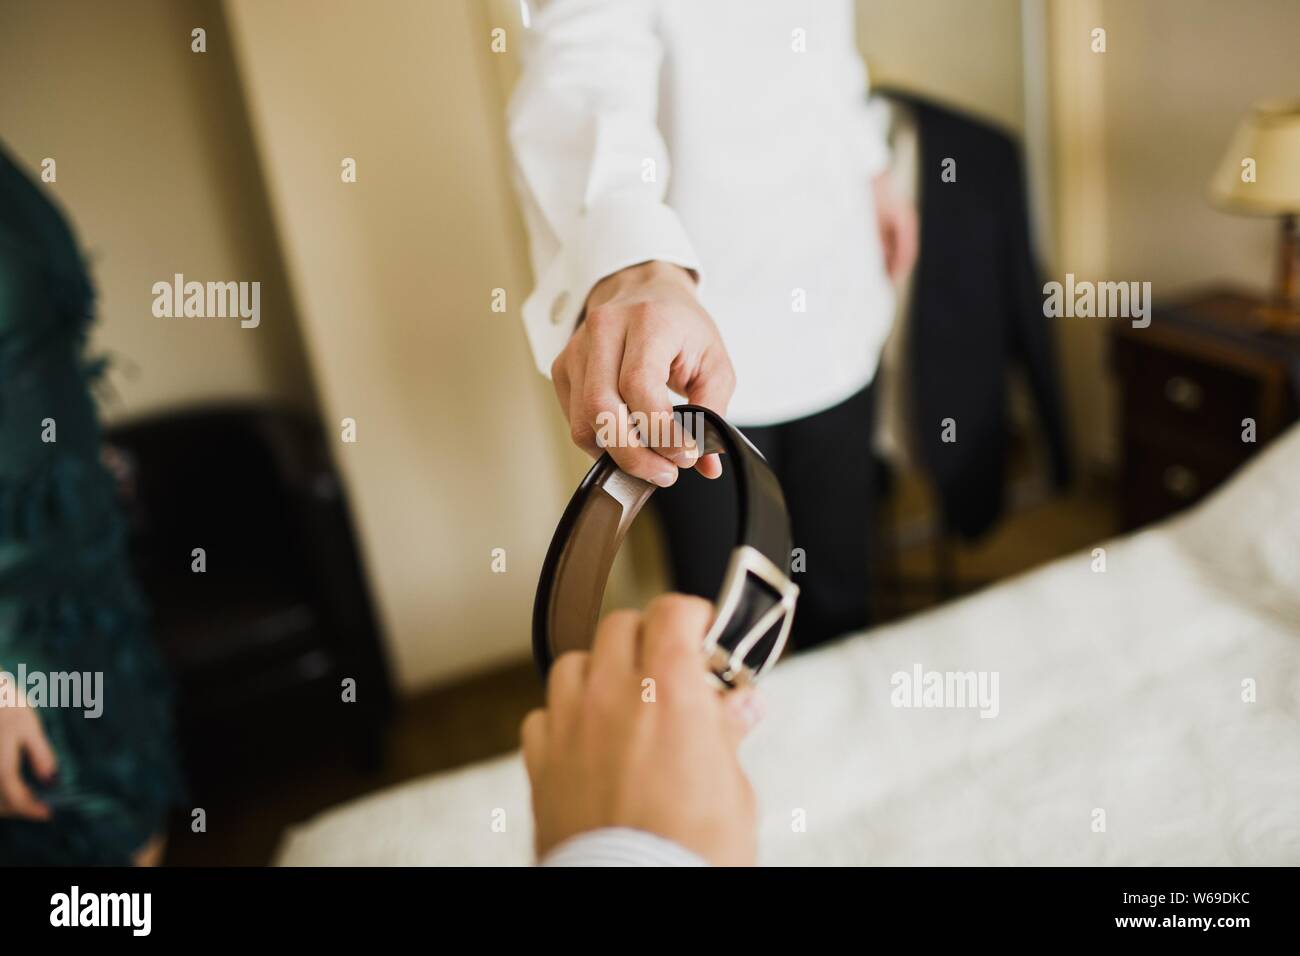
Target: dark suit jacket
977	308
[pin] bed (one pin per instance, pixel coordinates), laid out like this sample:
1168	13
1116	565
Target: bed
1147	713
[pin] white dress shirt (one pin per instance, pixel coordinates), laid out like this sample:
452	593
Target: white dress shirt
761	107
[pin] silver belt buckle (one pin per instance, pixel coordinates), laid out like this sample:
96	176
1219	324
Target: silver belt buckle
751	579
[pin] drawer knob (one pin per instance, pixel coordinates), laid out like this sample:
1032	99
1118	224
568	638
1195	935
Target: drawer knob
1184	393
1181	482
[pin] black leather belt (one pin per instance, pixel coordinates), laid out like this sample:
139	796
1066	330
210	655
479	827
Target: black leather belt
756	605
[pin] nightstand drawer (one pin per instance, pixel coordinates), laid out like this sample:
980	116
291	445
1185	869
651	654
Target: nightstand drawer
1186	382
1166	392
1163	477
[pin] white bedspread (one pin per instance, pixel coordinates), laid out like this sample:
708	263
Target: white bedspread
1120	692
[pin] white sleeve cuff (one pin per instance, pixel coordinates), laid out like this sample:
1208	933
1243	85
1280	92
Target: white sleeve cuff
621	846
621	231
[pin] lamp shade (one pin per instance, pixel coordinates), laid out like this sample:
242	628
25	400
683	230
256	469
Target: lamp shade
1270	135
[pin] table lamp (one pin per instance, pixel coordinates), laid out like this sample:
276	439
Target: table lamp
1260	175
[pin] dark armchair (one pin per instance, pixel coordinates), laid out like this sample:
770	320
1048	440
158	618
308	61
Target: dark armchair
261	641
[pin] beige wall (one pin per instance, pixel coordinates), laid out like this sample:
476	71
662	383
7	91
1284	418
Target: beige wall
156	171
963	52
1078	132
1139	132
1180	75
458	448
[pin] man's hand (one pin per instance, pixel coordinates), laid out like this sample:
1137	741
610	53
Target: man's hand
644	333
633	735
899	234
21	732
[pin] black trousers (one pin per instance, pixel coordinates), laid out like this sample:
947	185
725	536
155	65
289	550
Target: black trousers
825	466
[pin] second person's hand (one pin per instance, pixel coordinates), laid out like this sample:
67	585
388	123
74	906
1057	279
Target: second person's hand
22	736
605	754
643	337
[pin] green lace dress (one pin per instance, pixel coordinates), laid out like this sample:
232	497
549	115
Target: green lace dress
68	601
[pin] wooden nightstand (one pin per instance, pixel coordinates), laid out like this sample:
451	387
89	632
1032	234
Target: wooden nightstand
1187	381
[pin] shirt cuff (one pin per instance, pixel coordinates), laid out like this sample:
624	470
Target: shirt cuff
619	232
620	846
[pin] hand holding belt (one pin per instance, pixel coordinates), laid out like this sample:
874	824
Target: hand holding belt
756	605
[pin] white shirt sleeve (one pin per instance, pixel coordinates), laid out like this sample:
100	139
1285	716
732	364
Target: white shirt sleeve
590	164
870	126
621	846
